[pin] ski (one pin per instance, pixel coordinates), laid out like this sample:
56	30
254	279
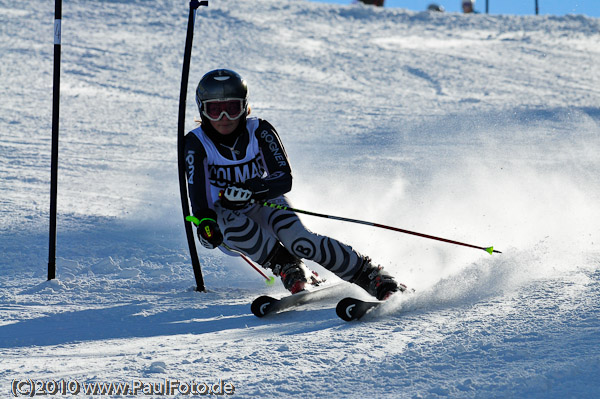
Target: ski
349	309
265	305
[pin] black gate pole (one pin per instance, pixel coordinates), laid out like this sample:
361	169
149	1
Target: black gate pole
537	8
487	6
54	155
183	191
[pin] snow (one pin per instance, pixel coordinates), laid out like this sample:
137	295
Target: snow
477	128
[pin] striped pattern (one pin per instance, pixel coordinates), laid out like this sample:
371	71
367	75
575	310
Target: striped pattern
256	231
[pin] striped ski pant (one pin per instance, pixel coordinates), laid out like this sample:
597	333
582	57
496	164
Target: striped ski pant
255	231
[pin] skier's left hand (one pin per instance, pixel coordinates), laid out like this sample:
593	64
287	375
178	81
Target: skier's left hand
238	195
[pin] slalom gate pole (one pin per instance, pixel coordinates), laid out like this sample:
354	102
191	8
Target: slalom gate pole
183	191
489	250
537	8
54	154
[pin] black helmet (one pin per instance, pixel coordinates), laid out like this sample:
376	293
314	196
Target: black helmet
221	84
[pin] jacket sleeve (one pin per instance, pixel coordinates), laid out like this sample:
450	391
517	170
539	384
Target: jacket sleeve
197	178
279	172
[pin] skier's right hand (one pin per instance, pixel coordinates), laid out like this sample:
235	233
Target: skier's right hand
209	233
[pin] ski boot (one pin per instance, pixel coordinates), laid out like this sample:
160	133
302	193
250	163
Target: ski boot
294	274
375	281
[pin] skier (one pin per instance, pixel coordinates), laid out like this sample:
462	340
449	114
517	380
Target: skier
468	7
232	159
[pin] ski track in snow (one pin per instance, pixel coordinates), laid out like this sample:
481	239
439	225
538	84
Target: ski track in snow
481	129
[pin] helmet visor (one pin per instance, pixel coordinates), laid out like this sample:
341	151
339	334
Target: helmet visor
232	108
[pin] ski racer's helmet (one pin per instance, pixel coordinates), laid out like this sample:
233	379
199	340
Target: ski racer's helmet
222	92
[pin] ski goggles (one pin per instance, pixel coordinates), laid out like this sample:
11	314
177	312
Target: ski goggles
232	108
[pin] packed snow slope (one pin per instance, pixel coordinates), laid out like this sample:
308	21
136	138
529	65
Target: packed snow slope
477	128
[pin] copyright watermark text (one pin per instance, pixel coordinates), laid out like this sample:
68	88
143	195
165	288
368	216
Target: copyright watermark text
166	387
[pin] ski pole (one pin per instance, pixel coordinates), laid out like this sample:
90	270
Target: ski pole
489	250
269	280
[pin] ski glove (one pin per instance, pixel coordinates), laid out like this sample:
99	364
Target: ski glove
238	195
209	233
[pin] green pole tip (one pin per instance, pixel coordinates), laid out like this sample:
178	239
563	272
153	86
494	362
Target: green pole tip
489	250
271	281
193	219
